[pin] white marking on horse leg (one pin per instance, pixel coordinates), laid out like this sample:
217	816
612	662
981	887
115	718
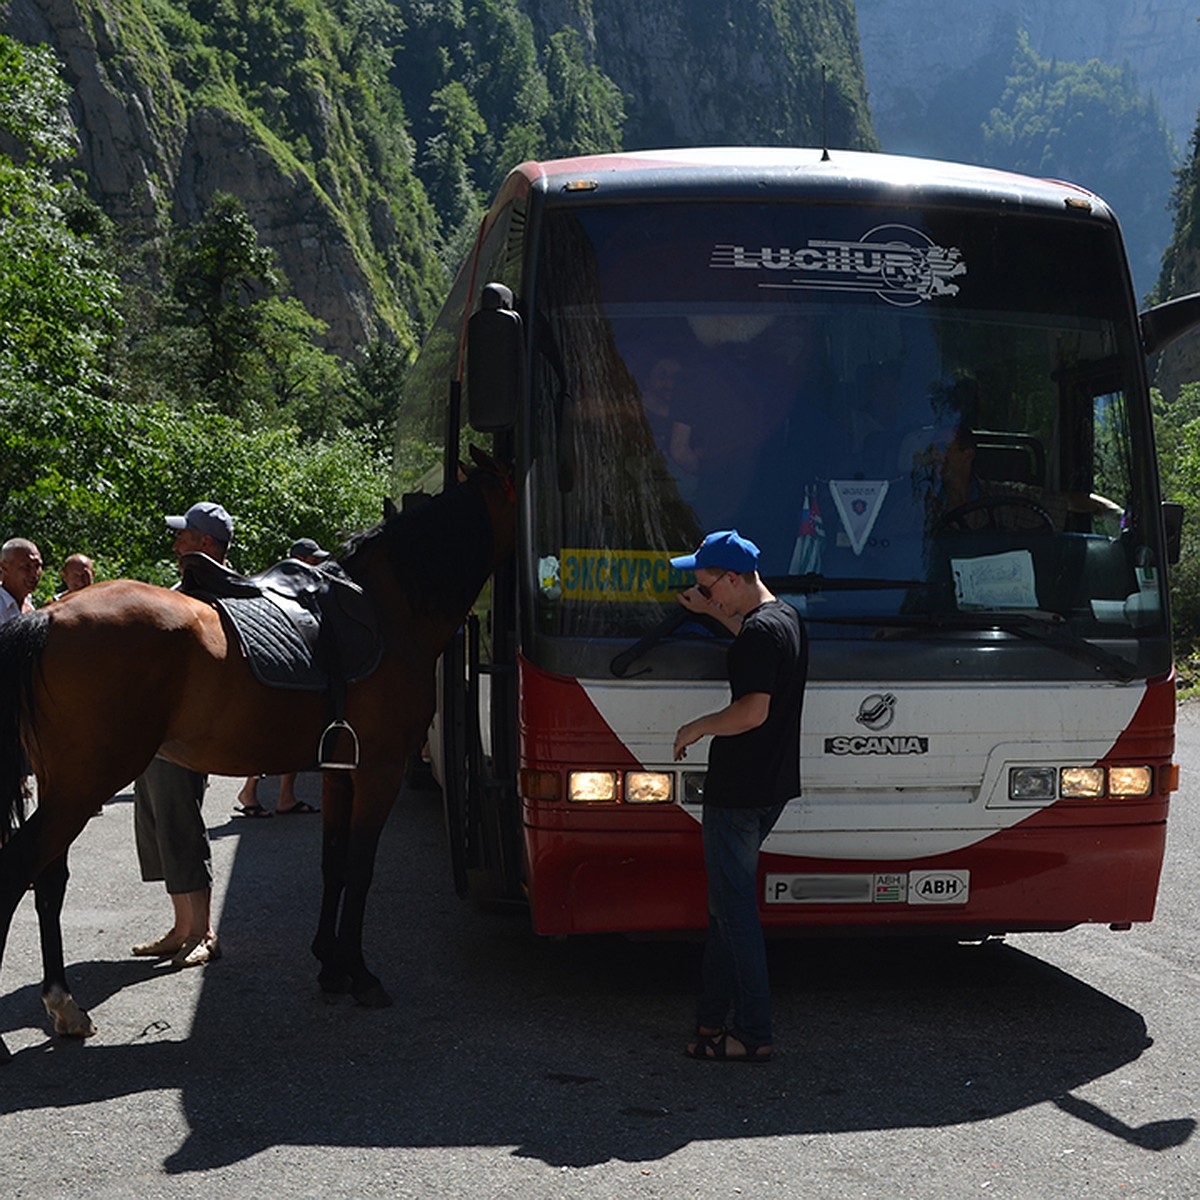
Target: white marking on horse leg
69	1019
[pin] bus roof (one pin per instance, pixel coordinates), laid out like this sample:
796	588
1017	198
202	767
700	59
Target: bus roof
745	171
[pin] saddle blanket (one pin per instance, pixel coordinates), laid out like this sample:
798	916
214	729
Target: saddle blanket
279	653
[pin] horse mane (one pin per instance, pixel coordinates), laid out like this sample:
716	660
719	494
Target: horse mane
22	641
440	551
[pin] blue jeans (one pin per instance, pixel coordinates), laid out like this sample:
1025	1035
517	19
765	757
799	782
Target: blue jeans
734	974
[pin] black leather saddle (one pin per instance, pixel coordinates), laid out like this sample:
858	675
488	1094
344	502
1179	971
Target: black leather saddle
299	627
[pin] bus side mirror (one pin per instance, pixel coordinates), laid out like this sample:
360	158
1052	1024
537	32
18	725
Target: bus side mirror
1163	323
495	361
1173	528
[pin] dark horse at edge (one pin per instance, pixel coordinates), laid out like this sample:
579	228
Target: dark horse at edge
92	688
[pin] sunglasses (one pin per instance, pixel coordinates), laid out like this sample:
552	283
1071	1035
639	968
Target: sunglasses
706	589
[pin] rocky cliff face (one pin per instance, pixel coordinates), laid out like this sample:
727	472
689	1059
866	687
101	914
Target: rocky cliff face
129	131
152	152
909	47
936	79
726	72
163	123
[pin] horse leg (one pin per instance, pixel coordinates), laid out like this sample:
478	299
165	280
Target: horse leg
49	889
8	906
16	874
374	793
337	801
366	988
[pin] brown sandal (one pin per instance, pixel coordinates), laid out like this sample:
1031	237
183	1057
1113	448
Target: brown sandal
710	1048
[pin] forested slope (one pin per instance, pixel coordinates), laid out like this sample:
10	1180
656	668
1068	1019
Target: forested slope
363	137
228	223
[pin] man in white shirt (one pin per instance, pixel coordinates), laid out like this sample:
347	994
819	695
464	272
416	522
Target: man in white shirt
20	570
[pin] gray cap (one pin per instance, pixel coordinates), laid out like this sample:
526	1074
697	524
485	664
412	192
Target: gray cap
206	517
307	548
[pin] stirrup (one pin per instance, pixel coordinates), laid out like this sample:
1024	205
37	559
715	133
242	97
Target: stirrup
327	758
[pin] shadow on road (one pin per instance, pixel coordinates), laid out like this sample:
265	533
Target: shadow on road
569	1052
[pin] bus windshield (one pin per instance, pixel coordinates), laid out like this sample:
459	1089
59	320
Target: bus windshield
924	418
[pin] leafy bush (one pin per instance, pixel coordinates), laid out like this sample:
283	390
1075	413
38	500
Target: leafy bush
98	476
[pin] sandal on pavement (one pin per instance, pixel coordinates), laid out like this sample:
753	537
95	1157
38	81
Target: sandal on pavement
251	810
298	807
716	1048
196	951
162	947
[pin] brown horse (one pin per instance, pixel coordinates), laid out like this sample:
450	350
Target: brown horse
93	688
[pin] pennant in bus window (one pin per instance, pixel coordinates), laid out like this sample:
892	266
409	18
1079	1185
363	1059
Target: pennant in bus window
858	502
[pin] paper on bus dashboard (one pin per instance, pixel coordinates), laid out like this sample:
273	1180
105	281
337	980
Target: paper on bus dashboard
995	581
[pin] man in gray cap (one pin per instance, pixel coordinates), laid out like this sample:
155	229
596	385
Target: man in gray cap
168	821
205	527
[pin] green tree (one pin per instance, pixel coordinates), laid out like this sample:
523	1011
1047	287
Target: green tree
219	274
459	126
586	112
224	334
1087	122
58	303
376	387
1177	434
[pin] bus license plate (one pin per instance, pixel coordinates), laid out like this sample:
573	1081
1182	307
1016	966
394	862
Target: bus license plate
889	887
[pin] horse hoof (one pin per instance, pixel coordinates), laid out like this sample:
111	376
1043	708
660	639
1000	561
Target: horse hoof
69	1019
334	985
373	997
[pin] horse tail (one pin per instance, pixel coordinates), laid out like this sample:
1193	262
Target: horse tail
22	641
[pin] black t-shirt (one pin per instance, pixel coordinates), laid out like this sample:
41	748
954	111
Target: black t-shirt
762	765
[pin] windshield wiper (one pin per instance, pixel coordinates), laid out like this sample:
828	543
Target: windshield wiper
808	584
1050	629
1047	628
623	661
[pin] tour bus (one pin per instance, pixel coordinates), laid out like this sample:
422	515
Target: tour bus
921	389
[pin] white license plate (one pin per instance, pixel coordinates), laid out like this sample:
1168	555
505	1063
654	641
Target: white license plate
883	887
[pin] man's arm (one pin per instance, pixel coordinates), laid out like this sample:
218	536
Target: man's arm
740	716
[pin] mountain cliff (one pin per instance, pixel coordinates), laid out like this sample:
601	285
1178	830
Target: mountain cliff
732	73
1105	94
363	139
172	105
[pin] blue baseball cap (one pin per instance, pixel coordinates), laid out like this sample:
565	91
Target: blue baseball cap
725	550
206	517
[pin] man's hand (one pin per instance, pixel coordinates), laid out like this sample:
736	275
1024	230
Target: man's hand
684	737
694	601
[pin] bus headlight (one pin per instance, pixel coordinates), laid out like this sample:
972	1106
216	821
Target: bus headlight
693	787
1082	783
592	787
1032	783
1130	781
647	787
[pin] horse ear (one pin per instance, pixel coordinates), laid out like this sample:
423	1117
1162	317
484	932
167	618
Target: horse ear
389	508
485	461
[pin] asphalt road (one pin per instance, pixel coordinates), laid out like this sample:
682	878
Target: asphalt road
1052	1065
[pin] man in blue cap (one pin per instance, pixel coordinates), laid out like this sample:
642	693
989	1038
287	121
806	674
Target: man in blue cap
753	771
168	821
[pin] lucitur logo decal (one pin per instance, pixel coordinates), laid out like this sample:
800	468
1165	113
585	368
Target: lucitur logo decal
898	263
